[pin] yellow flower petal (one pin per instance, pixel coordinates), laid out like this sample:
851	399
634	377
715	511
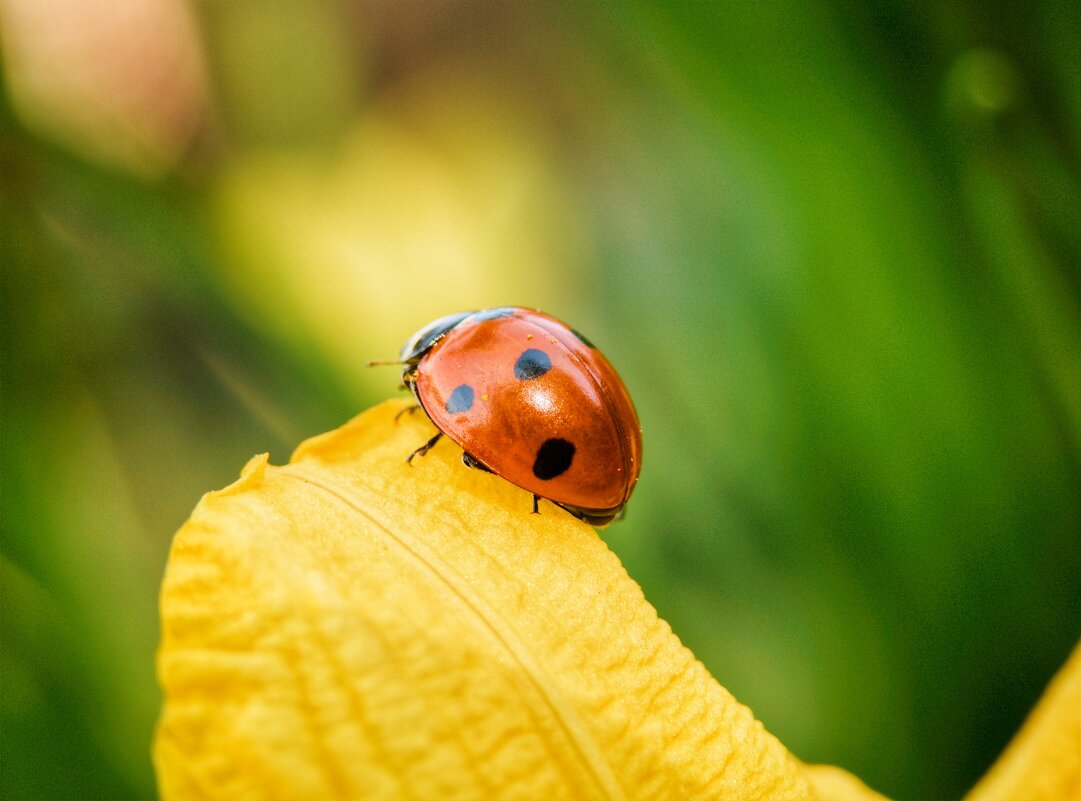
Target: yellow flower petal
348	626
1043	762
835	784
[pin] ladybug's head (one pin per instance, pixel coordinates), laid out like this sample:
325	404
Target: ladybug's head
422	341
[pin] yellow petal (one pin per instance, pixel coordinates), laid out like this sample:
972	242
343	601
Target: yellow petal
1043	762
835	784
348	626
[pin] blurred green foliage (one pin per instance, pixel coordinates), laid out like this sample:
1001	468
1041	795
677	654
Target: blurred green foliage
833	248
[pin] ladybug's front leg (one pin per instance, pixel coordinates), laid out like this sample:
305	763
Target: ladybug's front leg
423	449
406	410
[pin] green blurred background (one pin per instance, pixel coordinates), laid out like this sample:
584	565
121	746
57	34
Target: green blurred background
832	247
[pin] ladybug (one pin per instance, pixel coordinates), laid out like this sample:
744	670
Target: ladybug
533	401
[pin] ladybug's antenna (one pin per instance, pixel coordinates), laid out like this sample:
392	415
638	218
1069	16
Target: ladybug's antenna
384	363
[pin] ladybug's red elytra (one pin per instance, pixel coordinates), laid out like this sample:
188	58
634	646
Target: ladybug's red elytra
533	401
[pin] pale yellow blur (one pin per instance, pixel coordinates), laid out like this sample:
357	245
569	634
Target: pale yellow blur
420	212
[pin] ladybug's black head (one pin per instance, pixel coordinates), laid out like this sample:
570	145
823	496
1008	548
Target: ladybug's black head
422	341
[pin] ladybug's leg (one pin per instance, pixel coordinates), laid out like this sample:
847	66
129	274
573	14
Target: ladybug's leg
406	410
423	449
536	499
472	463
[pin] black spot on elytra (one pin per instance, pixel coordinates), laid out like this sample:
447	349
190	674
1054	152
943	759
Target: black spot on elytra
553	459
532	364
460	400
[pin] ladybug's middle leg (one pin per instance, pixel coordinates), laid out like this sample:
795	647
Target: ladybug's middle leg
536	500
472	463
423	449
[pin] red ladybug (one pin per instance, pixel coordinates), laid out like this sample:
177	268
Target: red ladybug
533	401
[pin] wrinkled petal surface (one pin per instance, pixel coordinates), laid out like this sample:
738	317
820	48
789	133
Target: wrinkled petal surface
348	626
